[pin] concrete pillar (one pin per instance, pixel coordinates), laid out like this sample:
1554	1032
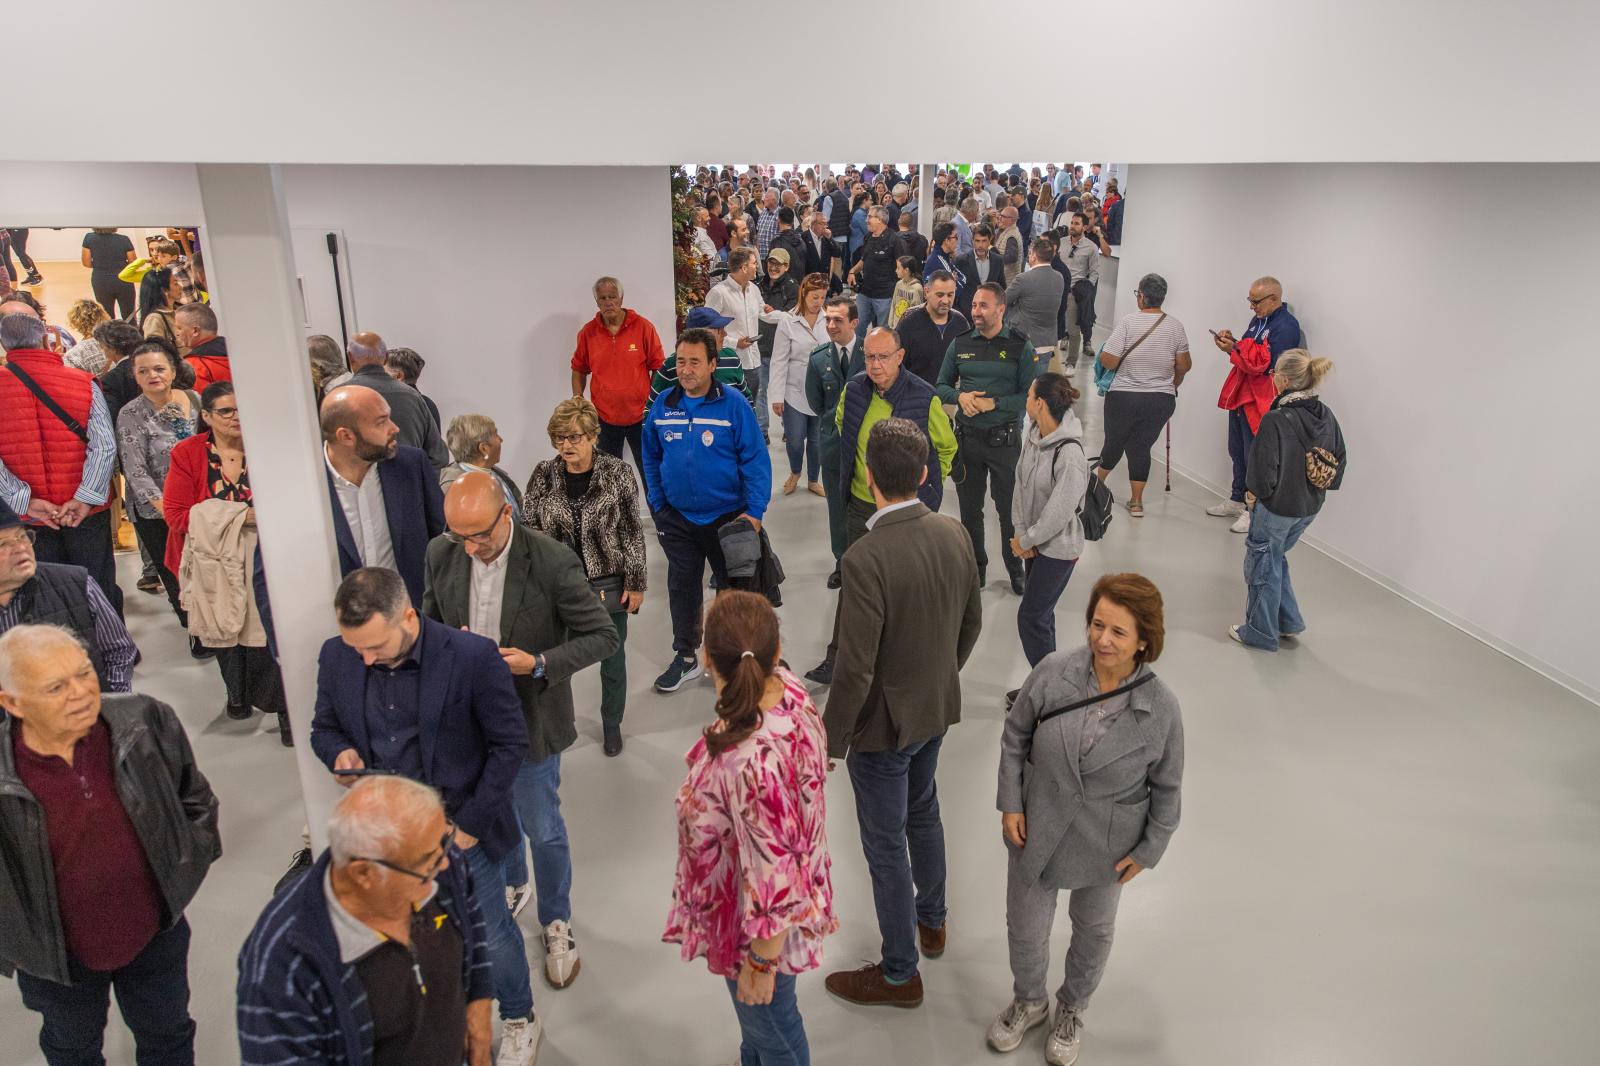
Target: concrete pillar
925	180
250	268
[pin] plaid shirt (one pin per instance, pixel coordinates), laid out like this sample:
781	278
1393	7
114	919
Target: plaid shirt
766	230
184	273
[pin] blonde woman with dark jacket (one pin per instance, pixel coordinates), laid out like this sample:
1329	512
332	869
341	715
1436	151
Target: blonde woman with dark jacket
589	501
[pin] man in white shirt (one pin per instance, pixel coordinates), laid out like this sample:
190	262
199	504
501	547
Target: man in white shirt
387	503
738	297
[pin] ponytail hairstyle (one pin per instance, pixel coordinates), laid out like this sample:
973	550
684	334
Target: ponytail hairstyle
741	643
1301	372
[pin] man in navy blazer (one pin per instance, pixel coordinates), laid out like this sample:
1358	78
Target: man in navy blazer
387	520
399	693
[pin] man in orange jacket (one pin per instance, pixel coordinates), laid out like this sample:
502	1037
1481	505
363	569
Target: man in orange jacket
1247	394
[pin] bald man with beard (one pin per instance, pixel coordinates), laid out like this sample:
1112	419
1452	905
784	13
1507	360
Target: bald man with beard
385	495
367	354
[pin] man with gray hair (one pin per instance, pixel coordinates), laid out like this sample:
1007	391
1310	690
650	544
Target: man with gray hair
378	953
619	349
108	828
57	450
766	223
965	219
367	355
873	276
399	693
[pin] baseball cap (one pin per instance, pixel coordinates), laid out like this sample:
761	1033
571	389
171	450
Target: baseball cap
705	318
780	254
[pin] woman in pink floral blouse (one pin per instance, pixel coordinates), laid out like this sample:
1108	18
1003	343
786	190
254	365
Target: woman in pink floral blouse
753	892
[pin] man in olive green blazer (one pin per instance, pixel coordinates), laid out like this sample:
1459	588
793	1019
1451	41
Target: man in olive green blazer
528	593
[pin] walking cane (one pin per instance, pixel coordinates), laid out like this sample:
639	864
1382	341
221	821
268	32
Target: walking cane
1169	456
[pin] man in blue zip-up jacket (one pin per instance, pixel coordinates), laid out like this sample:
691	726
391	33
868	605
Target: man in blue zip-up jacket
705	465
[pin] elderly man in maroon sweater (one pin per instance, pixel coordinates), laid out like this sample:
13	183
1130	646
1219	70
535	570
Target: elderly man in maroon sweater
107	828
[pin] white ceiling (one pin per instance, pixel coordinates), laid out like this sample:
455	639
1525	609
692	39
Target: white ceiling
647	81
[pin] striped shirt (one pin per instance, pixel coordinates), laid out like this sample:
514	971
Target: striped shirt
116	647
1151	366
94	484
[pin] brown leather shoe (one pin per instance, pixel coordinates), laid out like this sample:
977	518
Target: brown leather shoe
931	940
868	987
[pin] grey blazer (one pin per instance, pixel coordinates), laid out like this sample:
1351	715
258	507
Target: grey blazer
1122	799
1032	300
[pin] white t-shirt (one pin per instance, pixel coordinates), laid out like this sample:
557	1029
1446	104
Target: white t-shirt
1150	367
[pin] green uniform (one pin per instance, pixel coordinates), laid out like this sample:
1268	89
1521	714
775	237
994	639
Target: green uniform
1002	366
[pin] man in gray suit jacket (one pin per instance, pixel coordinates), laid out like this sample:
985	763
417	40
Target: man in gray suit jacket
527	593
908	619
1034	297
367	355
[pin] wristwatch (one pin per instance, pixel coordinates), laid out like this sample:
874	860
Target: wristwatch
538	665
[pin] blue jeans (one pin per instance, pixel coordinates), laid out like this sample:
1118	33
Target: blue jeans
508	959
1036	614
538	797
871	313
1239	440
1272	610
773	1034
897	806
763	412
152	993
802	437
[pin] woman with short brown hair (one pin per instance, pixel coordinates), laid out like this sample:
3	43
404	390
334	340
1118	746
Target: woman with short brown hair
1091	772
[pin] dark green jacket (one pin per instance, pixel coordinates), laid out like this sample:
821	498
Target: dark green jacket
548	609
825	382
1003	368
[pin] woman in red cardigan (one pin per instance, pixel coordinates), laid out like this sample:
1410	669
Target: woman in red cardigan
211	466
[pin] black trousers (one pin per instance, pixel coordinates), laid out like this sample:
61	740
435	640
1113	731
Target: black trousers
688	547
153	535
152	993
979	462
110	290
1133	423
87	545
612	438
252	679
856	513
19	241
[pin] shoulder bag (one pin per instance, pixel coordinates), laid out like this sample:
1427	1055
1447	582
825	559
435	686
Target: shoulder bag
1129	687
1103	377
45	398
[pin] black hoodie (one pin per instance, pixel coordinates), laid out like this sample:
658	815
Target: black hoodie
1277	467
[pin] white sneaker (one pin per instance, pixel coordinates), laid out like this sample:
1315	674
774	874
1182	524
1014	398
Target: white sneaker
1006	1032
561	954
1242	523
519	1041
517	898
1225	509
1062	1047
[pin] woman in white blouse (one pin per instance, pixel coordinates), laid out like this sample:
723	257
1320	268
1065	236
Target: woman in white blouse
799	333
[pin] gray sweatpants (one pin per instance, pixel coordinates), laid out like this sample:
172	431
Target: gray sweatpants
1031	911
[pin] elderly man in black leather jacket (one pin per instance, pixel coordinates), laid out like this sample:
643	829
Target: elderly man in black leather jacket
107	829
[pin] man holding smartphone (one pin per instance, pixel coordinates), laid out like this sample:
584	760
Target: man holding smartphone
1247	394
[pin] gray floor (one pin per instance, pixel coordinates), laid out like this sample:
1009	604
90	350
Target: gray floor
1388	852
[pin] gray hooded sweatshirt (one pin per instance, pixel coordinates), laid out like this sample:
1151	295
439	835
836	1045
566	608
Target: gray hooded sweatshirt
1052	475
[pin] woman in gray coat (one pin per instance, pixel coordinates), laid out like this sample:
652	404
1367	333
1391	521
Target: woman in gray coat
1089	798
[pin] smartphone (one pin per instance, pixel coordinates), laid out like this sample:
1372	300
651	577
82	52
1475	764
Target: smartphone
1212	332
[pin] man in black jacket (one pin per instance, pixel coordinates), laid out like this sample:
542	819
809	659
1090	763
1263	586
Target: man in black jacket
978	266
790	241
108	828
821	252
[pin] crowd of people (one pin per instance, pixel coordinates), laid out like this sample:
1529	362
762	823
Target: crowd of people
469	599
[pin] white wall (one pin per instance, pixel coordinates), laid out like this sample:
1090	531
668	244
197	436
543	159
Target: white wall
629	81
486	271
1453	301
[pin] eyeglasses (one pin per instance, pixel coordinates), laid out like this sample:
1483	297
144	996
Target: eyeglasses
867	357
569	438
28	537
432	869
1256	301
224	412
474	538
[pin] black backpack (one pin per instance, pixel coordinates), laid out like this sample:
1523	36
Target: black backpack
1098	506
